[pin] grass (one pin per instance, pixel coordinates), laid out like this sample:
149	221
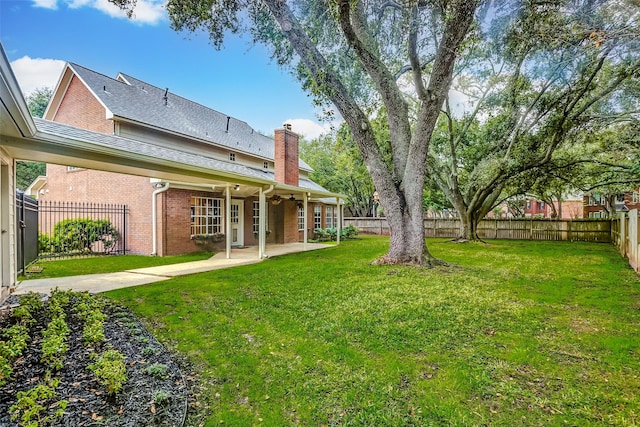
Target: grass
106	264
511	333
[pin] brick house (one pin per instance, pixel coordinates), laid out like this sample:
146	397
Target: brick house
597	205
536	209
263	188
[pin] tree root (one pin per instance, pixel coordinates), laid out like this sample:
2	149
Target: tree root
426	262
464	240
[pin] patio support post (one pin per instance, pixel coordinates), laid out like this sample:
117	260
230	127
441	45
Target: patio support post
305	232
227	220
261	224
339	225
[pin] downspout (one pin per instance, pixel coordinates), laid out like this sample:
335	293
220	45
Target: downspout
262	223
154	218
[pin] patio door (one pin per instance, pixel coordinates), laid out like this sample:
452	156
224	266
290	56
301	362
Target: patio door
237	222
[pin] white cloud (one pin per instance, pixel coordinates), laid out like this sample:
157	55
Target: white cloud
36	73
308	128
47	4
145	12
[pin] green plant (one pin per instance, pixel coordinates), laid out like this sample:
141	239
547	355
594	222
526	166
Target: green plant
30	409
6	368
30	304
110	370
18	336
157	370
54	343
161	397
80	234
149	350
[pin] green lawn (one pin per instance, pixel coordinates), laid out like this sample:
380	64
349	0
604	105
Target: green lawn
106	264
511	333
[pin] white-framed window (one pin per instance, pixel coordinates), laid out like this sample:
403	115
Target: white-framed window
329	217
301	218
541	205
265	165
256	217
528	204
73	168
635	197
206	215
232	157
317	217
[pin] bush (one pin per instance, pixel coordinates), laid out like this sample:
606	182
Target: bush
348	232
110	370
79	235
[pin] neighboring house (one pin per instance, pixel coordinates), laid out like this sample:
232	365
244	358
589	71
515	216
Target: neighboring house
165	214
536	209
597	205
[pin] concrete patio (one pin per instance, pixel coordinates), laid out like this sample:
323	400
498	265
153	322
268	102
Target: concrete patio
95	283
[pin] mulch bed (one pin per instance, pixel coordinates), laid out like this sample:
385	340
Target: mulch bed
89	403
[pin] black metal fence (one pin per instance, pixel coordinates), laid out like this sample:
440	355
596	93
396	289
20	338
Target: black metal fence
26	230
70	229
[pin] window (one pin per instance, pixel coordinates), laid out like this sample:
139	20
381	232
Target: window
317	217
541	205
634	197
528	204
329	217
73	168
256	217
206	215
232	157
265	165
300	218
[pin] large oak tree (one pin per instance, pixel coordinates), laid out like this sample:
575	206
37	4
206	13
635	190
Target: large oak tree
350	53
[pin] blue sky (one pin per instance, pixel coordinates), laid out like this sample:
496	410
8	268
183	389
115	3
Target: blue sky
240	80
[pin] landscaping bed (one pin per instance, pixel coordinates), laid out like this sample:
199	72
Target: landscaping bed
98	370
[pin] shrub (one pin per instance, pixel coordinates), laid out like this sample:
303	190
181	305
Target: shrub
161	396
79	235
30	405
157	370
54	343
29	304
110	370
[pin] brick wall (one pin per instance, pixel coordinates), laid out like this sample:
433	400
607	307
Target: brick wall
81	109
286	157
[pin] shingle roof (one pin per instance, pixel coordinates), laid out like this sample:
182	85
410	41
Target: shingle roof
132	99
147	149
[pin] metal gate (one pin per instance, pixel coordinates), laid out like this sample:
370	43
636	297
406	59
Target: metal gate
26	230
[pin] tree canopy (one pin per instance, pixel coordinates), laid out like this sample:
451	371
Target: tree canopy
547	82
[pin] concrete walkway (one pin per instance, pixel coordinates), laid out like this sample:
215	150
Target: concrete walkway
141	276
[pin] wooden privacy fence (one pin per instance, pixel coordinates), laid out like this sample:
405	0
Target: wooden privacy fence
585	230
626	236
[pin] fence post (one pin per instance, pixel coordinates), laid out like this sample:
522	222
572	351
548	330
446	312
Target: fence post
124	228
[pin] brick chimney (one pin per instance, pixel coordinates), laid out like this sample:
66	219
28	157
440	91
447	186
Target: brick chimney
286	156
